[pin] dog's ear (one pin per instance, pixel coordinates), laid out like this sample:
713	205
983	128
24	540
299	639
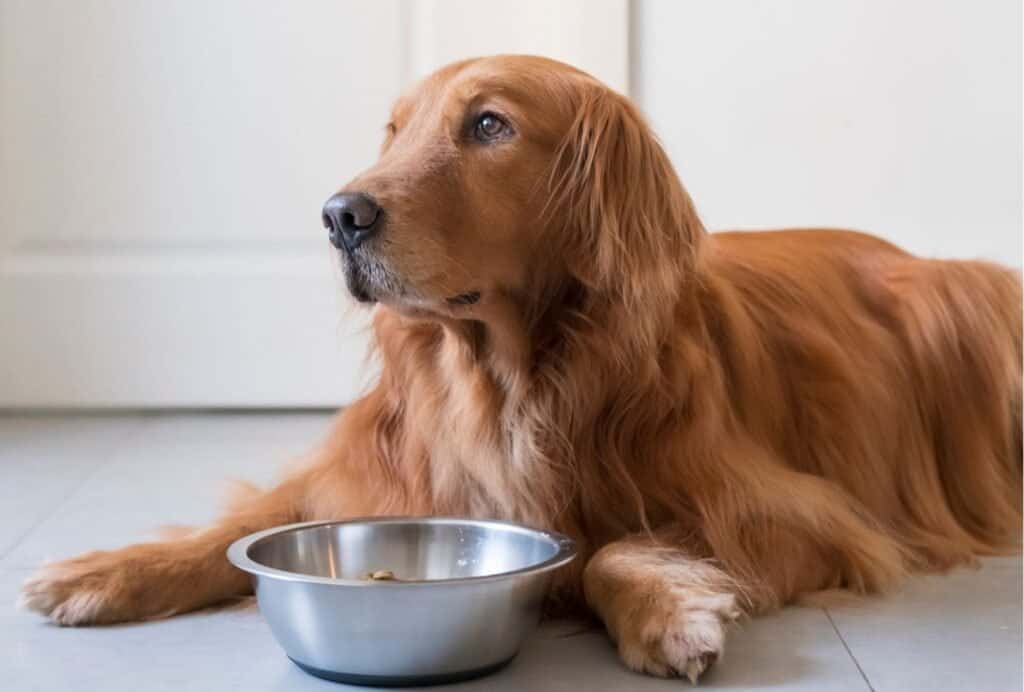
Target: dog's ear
630	228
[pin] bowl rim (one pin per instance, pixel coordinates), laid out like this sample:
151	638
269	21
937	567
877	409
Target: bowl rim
238	552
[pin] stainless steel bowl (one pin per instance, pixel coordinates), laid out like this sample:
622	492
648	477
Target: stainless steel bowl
466	593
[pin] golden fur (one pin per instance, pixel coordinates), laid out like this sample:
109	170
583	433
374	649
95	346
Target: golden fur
724	422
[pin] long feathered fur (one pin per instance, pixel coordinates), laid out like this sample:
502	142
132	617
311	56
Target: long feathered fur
820	408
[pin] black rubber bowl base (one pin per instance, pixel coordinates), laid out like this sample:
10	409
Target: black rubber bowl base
401	680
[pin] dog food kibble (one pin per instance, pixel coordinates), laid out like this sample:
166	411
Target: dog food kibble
381	575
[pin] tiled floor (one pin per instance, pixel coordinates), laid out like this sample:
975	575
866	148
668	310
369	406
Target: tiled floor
72	483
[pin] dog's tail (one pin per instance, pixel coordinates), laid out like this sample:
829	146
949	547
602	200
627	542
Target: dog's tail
962	322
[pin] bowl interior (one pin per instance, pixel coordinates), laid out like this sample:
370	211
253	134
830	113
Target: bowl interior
411	550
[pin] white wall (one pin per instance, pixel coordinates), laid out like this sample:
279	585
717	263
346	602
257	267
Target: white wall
900	117
198	124
162	164
162	168
591	34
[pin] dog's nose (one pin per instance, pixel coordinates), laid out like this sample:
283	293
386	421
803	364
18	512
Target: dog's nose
351	218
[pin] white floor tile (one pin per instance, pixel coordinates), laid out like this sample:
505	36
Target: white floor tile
175	471
45	459
74	484
794	649
960	631
233	649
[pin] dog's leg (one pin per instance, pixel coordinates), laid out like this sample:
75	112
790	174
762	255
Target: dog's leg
666	610
151	580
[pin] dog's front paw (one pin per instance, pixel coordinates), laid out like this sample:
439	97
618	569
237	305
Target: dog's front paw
677	634
97	588
80	591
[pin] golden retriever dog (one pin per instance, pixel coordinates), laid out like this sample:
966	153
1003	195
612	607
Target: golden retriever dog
724	422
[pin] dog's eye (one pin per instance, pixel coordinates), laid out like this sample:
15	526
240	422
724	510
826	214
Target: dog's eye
490	127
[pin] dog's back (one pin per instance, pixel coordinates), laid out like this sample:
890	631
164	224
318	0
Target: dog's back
961	322
899	378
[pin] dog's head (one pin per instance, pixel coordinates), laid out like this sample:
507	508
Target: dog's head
502	177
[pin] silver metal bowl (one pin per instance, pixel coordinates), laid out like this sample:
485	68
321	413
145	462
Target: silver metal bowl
464	596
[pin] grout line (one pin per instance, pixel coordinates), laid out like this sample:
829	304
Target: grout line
142	422
848	651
